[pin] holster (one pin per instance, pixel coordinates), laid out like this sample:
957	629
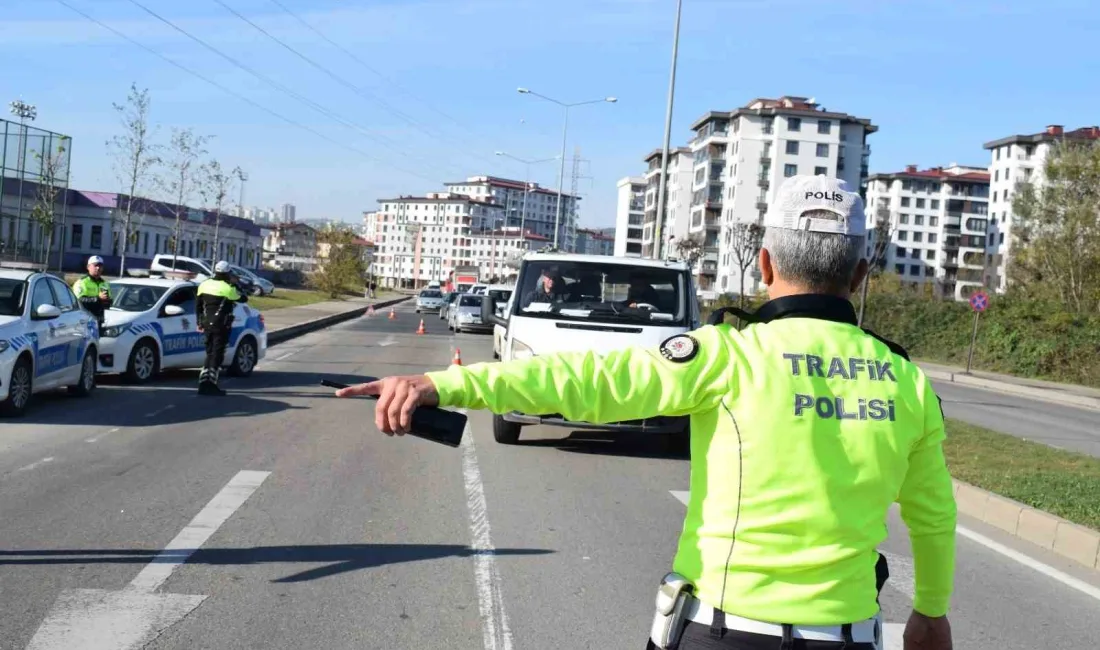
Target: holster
668	620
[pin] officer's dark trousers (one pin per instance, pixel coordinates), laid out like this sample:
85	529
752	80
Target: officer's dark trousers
698	637
216	342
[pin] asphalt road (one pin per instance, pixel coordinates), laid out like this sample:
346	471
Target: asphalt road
315	531
1065	427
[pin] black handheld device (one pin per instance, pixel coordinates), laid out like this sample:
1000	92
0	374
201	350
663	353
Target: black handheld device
428	422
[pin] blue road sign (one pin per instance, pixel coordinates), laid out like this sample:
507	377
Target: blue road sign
979	301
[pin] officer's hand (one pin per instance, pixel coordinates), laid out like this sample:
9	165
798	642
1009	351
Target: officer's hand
103	295
925	633
398	397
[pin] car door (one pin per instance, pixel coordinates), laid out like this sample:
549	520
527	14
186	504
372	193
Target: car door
52	339
75	322
182	342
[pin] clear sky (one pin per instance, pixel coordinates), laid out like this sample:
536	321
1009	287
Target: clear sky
433	93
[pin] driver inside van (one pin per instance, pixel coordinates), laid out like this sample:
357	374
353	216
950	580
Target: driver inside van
549	288
641	293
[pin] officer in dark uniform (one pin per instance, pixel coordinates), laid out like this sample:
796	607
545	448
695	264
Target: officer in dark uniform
214	311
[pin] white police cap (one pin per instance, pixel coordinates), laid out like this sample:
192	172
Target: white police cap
221	267
801	194
95	259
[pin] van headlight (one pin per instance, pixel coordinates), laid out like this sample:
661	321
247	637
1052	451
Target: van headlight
521	350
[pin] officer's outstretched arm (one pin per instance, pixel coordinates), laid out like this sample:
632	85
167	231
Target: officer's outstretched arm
928	508
687	374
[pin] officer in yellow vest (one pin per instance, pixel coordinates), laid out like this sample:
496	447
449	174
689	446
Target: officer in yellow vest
93	291
805	429
216	299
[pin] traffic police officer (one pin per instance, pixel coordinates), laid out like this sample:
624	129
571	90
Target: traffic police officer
93	291
805	429
216	299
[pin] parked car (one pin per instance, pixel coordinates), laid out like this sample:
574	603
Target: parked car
465	315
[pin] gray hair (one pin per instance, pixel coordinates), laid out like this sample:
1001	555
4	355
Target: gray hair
820	262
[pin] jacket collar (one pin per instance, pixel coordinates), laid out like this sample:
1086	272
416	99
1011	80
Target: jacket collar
820	306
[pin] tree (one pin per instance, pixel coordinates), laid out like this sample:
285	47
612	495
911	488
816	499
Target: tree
690	249
880	244
136	156
216	186
1057	227
53	166
745	240
183	175
343	267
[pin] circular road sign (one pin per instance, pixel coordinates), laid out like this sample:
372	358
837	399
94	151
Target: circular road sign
979	301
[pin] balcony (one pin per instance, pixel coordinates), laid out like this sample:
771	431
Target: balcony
763	181
761	205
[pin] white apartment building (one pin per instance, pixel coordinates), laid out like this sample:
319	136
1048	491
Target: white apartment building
1015	159
497	253
419	239
938	220
537	215
740	157
677	201
630	216
594	242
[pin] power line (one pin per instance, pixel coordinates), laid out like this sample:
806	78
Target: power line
238	95
370	68
305	100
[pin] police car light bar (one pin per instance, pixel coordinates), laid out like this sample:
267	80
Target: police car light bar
22	266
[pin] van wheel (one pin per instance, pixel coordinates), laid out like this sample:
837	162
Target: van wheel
505	432
244	361
143	364
20	387
86	383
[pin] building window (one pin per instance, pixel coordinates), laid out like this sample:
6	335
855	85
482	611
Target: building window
824	126
932	237
899	251
905	201
76	239
918	236
792	147
790	170
821	171
903	235
97	238
920	203
903	218
822	150
914	269
929	271
929	254
794	124
900	268
918	220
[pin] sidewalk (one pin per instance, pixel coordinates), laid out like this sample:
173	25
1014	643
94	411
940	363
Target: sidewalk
1069	394
290	322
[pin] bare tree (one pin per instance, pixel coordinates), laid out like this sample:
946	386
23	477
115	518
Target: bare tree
183	176
690	249
880	244
53	166
136	155
216	186
745	240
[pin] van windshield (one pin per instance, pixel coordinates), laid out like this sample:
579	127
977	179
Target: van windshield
603	292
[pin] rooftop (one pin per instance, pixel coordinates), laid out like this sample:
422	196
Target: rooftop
951	173
656	153
785	105
1051	133
496	181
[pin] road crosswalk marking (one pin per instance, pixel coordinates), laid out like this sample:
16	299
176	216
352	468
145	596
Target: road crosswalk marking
901	578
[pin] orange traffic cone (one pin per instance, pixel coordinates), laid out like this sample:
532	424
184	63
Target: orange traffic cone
393	315
457	361
420	330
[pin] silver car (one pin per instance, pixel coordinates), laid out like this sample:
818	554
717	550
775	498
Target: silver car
429	300
465	315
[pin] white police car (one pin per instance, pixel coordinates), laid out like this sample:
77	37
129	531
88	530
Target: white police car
151	326
47	340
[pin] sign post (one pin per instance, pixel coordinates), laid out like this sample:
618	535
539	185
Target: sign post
979	301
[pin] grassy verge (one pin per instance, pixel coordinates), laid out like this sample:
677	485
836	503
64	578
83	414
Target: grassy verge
1062	483
297	297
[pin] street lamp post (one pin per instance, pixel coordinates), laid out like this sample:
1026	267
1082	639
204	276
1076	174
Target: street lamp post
668	136
24	112
564	133
526	185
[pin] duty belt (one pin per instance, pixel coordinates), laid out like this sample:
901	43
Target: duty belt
868	631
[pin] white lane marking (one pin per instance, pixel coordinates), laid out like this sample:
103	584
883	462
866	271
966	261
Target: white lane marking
288	355
159	411
1030	562
100	436
389	340
496	634
35	464
195	534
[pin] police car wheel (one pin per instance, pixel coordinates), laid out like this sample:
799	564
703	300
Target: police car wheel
505	432
143	364
244	361
86	383
20	387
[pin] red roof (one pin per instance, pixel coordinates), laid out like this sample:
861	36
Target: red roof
938	173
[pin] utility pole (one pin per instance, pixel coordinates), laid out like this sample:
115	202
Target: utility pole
24	112
668	136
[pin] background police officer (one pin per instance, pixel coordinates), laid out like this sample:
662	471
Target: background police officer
216	299
93	291
805	428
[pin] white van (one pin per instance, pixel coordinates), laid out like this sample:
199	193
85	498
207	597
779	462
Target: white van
589	311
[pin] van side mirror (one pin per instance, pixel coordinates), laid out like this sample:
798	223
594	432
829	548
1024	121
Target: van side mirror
489	311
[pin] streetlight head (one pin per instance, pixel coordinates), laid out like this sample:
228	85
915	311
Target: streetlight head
500	153
523	90
611	100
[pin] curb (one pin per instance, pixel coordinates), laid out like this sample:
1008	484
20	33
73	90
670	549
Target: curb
275	337
1015	389
1073	542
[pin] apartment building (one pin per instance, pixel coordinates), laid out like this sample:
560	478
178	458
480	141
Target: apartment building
630	216
740	157
594	242
1016	159
677	202
497	253
938	222
536	214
